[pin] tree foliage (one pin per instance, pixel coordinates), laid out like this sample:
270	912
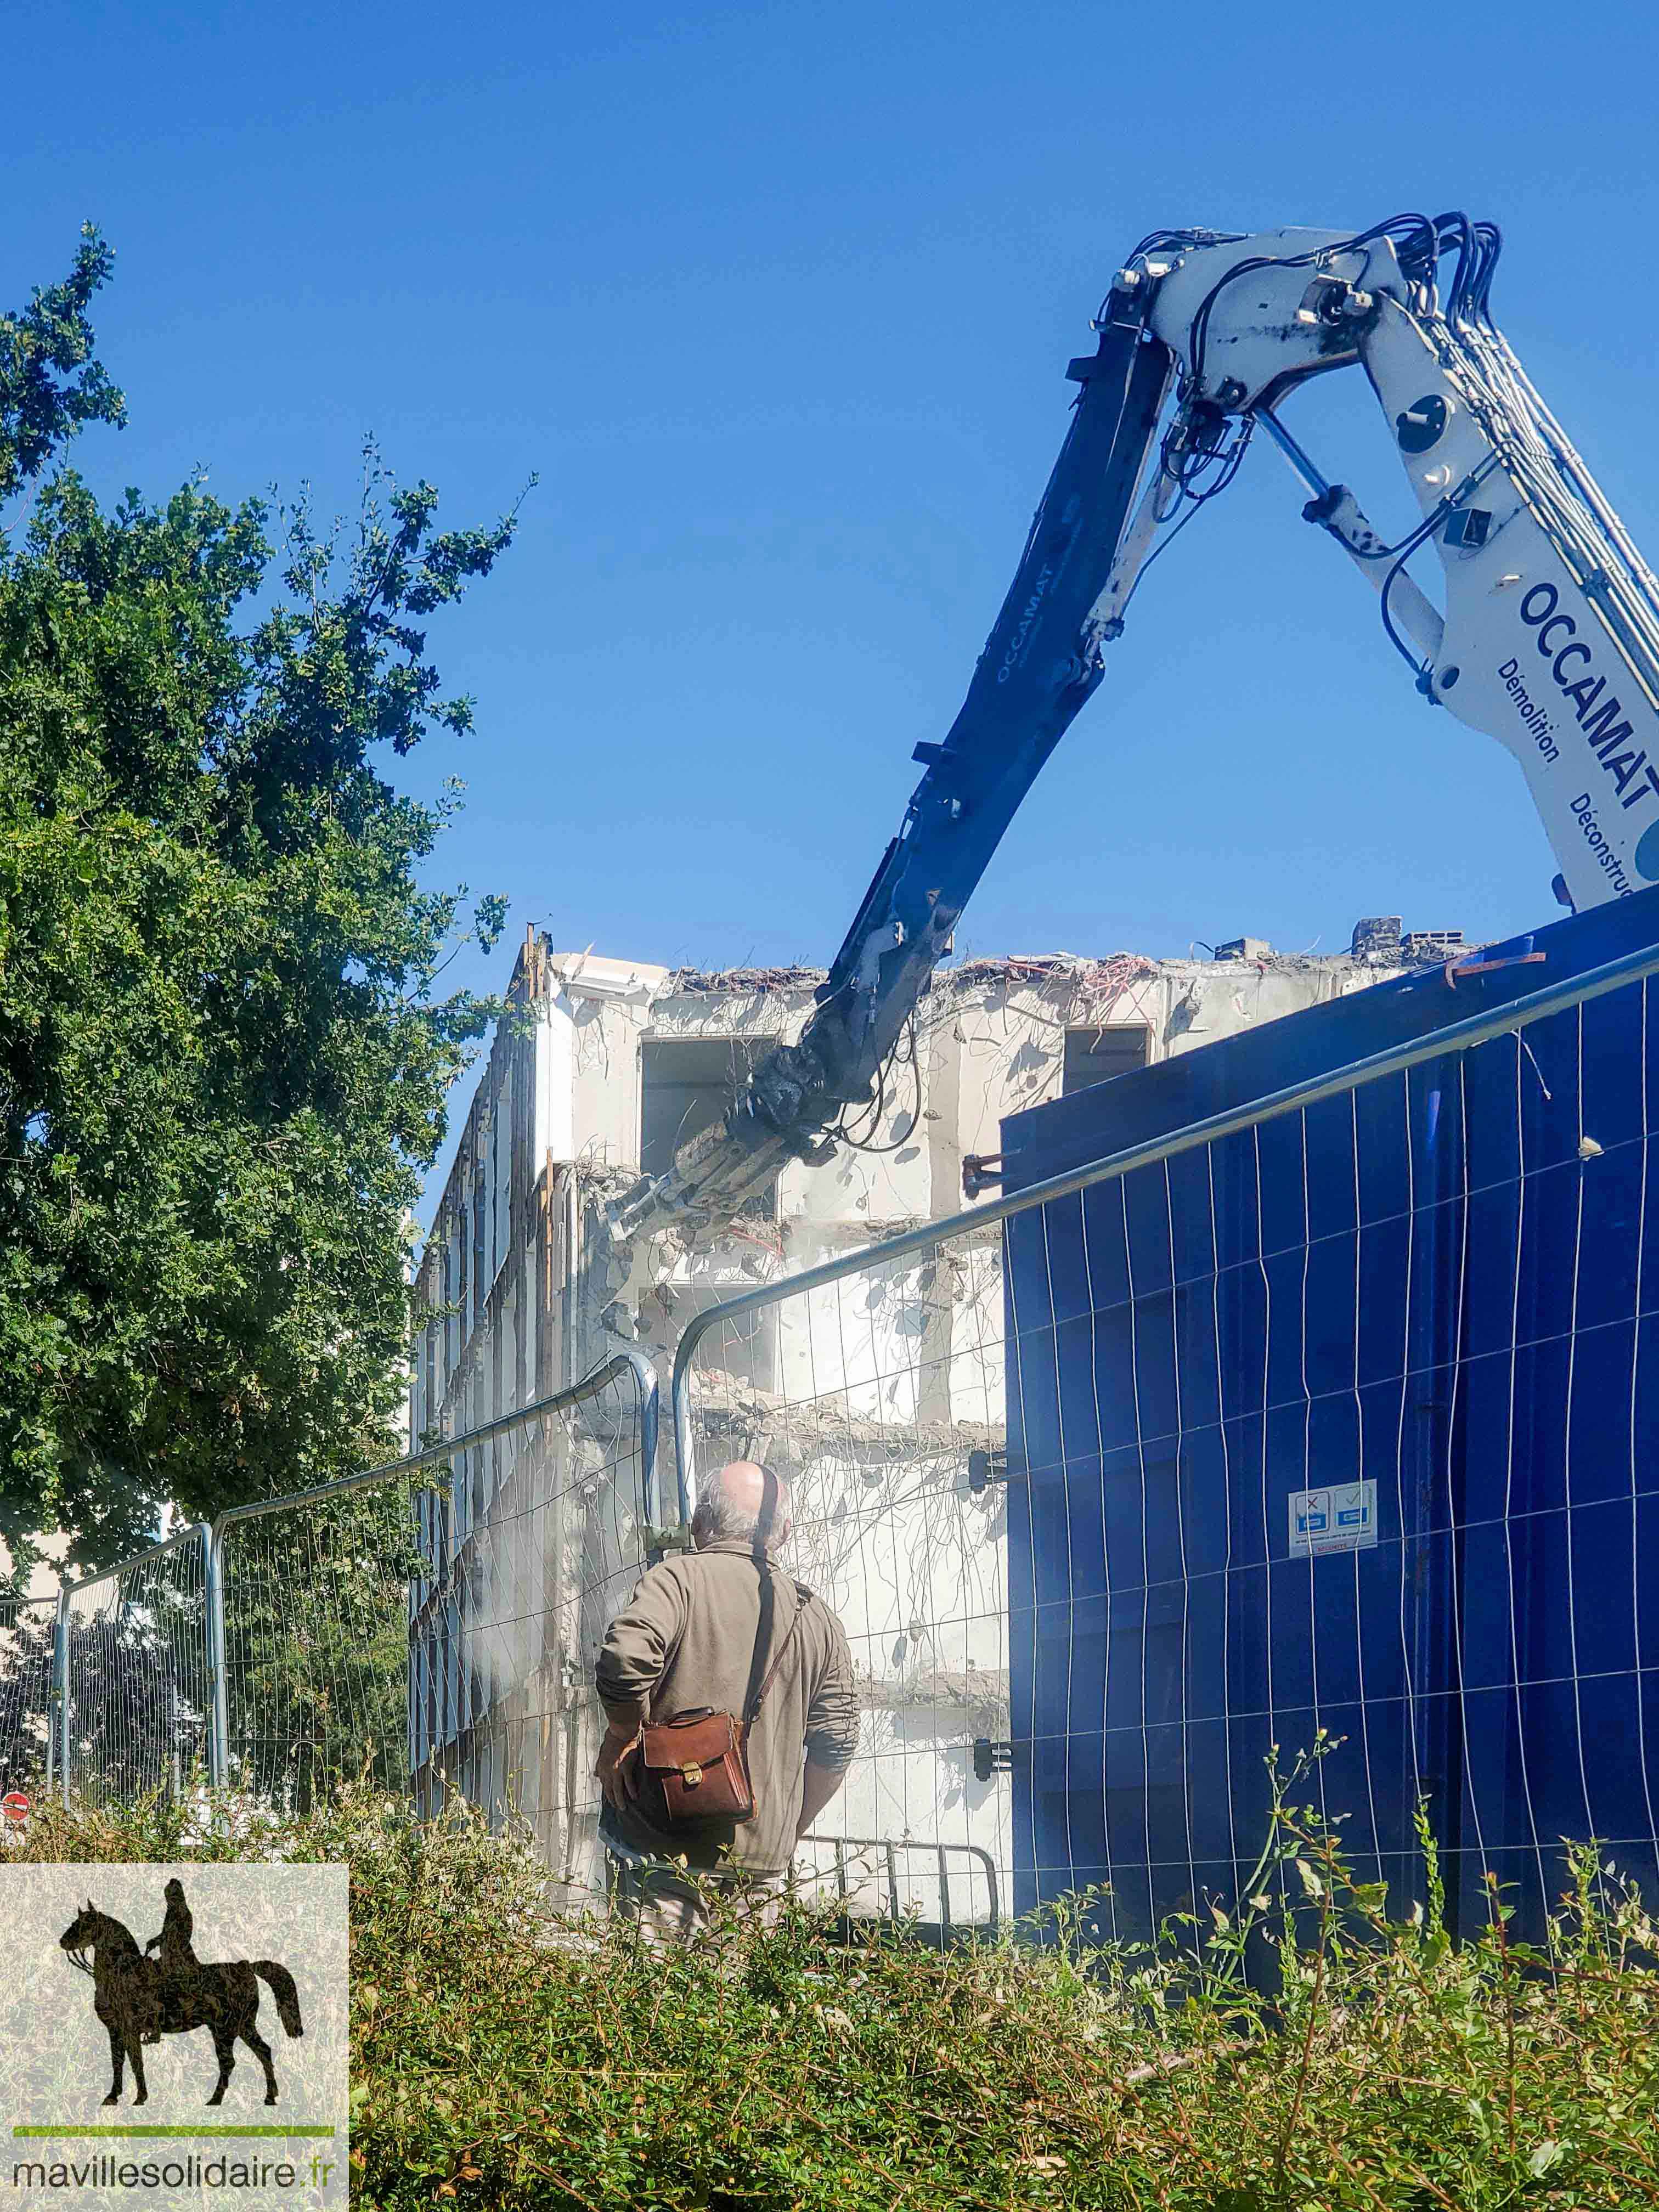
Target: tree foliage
50	380
223	1062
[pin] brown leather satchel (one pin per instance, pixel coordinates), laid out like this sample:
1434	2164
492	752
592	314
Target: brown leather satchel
694	1769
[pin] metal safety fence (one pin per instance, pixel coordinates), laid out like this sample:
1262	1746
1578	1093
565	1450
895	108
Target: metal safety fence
426	1625
881	1403
1322	1416
1322	1419
132	1674
543	1530
27	1736
403	1626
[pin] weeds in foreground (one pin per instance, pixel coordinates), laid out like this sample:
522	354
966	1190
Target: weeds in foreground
1312	2052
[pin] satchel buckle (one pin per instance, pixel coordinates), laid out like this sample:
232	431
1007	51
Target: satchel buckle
691	1775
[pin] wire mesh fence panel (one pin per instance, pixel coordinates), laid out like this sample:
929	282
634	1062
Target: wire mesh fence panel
542	1532
432	1626
137	1699
315	1602
1340	1430
881	1402
25	1692
1336	1429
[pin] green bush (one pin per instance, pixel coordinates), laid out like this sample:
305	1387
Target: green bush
507	2057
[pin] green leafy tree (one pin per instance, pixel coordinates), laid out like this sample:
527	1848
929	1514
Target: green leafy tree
223	1061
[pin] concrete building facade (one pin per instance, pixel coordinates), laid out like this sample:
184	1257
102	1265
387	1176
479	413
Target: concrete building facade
872	1396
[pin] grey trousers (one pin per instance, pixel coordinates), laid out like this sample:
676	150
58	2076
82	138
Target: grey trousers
670	1903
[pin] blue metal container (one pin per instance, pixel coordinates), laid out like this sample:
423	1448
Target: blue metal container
1346	1423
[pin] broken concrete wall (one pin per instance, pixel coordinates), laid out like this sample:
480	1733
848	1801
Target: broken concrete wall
870	1394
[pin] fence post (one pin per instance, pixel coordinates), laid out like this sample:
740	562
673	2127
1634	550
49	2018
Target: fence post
60	1689
218	1726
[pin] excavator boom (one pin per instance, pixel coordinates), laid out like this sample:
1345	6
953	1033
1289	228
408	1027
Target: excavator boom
1037	668
1549	639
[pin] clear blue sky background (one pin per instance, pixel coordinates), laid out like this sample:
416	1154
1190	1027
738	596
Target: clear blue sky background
778	301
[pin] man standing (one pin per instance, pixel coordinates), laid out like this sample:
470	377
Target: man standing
707	1631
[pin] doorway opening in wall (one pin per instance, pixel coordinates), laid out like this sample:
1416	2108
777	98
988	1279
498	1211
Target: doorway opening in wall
1095	1054
686	1084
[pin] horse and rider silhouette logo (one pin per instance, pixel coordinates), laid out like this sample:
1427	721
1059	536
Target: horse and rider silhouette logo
139	1999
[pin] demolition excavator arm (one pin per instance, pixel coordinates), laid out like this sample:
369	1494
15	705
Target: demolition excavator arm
1548	638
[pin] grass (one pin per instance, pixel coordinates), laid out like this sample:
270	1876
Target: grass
501	2062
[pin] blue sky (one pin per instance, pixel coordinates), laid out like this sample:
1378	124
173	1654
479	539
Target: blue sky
778	301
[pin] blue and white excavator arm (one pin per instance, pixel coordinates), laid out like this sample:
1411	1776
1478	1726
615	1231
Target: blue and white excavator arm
1548	639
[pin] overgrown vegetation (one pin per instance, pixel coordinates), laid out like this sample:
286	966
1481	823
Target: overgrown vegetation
224	1051
505	2060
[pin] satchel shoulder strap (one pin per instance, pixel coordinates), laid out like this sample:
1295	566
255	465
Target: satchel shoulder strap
803	1596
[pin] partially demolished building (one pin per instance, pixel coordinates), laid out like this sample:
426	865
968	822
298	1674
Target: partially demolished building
604	1067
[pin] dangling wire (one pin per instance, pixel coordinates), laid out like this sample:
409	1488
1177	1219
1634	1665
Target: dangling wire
1194	493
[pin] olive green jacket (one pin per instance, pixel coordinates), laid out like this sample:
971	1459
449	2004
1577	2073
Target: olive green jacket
686	1638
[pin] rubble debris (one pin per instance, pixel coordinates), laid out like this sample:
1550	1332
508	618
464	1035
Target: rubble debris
1114	970
1433	944
700	981
741	1420
1377	940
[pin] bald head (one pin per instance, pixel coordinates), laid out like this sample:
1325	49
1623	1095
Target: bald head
744	1501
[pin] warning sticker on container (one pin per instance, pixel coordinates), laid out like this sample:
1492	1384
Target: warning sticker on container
1342	1518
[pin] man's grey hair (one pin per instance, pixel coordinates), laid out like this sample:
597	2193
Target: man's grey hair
727	1523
